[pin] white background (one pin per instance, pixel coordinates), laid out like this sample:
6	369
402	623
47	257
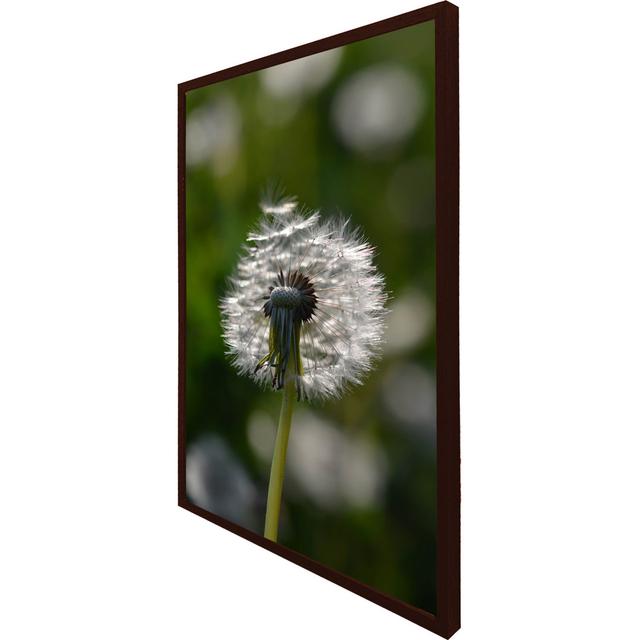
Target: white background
92	544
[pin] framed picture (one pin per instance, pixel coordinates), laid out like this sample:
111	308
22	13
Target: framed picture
318	295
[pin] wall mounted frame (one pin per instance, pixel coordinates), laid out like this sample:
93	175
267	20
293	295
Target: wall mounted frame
445	620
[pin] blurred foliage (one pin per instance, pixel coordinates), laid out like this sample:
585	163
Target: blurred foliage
244	136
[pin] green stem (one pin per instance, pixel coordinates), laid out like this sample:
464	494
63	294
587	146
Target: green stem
276	478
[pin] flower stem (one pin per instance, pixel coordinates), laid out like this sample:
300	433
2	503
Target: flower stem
276	478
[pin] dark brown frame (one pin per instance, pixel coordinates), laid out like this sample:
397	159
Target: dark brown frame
446	621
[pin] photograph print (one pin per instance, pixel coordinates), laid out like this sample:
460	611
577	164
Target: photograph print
318	308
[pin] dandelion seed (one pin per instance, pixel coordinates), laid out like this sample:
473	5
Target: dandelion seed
304	313
305	292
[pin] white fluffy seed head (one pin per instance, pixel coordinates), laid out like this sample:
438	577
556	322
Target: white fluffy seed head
341	340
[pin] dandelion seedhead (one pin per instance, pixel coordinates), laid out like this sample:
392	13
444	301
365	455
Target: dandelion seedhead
307	299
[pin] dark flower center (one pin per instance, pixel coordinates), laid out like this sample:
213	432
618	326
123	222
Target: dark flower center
294	292
288	297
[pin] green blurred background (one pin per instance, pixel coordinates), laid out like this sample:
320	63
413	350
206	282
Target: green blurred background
352	131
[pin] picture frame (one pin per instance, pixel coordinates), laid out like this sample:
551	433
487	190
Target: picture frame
445	620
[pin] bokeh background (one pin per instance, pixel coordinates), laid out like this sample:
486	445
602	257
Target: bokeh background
349	130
